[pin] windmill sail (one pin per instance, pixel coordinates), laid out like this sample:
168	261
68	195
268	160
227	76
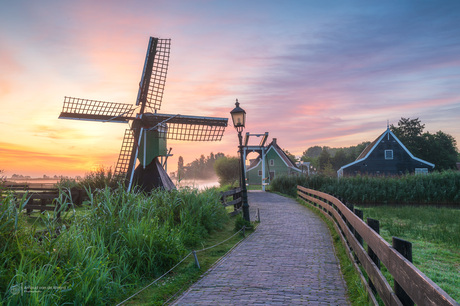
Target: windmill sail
188	128
154	73
125	154
93	110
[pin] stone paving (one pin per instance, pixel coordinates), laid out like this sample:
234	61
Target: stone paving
288	260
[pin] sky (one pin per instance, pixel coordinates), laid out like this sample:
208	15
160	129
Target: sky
327	73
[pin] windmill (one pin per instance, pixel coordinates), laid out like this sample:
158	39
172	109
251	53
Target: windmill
145	140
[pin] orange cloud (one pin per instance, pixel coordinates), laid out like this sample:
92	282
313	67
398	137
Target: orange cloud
25	160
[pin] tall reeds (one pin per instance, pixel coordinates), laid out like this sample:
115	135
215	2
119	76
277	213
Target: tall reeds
433	188
98	255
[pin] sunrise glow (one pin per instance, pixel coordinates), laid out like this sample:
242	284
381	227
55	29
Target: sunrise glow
307	72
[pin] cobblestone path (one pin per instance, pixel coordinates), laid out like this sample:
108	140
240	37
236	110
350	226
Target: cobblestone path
288	260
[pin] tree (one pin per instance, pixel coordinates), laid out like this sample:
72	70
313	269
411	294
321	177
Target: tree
324	159
408	128
340	159
180	167
227	169
409	131
290	156
440	149
202	168
312	152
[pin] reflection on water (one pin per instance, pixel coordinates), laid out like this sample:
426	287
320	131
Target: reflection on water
199	184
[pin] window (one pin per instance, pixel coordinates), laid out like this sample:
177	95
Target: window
260	172
272	162
388	154
421	170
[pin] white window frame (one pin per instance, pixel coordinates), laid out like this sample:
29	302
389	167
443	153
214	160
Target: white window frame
259	172
272	162
387	153
421	170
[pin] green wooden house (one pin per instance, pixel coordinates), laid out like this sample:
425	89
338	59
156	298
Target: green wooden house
275	162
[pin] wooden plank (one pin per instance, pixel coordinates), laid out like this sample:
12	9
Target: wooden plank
39	196
232	202
421	289
40	207
235	212
230	192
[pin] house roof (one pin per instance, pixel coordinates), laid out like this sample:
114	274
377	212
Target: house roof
273	145
368	150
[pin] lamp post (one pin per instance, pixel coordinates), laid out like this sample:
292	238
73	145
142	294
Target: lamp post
239	120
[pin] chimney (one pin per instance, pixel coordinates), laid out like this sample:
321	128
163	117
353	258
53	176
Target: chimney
274	141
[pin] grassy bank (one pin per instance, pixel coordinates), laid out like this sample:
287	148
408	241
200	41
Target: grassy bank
103	252
435	236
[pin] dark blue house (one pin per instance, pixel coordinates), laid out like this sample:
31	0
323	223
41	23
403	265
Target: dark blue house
386	155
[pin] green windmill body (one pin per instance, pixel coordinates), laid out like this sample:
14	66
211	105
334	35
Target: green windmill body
152	145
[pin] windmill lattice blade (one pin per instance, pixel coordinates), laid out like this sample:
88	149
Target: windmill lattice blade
154	74
125	153
194	132
189	128
84	109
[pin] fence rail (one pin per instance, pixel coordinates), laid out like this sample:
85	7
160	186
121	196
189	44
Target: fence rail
420	289
46	199
235	199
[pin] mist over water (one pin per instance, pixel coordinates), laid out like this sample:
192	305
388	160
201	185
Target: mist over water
199	184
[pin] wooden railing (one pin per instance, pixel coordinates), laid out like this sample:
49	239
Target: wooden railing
46	199
409	280
232	197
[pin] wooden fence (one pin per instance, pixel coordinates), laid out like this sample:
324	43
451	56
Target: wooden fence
409	281
232	197
47	199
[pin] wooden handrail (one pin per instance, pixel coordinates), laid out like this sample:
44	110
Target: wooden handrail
421	289
236	199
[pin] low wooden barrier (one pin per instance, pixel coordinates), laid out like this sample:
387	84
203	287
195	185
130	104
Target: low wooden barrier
235	199
409	280
47	199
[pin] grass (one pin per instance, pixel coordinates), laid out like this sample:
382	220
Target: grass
103	252
435	236
187	273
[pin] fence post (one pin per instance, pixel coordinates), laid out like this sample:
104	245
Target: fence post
196	259
375	225
359	214
404	247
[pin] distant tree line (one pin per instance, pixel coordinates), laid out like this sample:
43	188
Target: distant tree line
201	168
328	160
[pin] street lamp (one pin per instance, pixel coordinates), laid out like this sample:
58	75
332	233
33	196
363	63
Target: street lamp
239	121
